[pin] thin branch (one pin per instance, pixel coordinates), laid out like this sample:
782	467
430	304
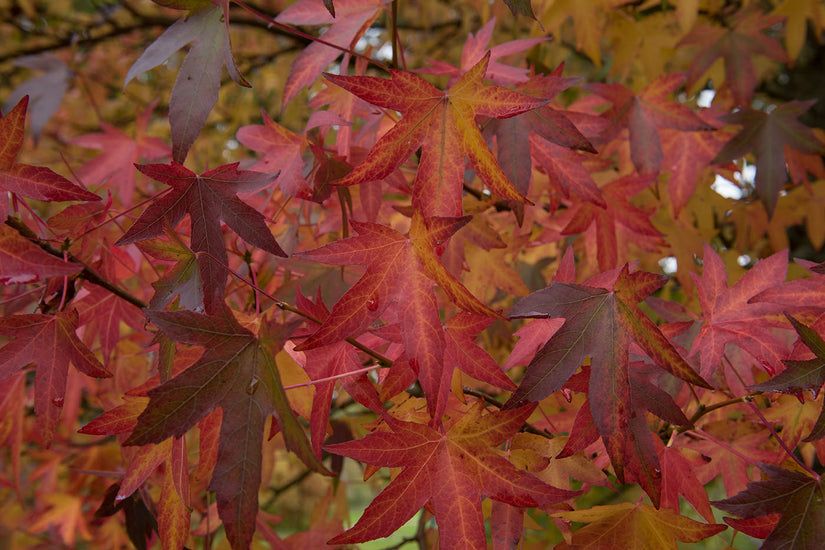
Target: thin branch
86	273
383	361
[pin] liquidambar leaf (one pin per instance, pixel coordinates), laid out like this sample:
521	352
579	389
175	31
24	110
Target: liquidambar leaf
452	471
799	498
50	342
199	78
602	324
237	372
637	526
443	125
208	198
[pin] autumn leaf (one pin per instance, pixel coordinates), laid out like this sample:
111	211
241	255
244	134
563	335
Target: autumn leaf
116	164
331	360
638	526
199	77
616	225
799	499
729	317
643	114
737	45
803	375
208	198
768	135
400	270
550	135
600	323
45	90
587	18
50	342
236	372
21	261
474	50
452	471
34	182
443	125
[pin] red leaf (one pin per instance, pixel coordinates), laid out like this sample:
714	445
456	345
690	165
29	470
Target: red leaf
451	471
34	182
208	198
798	498
400	270
729	318
644	114
767	135
50	342
443	125
237	373
600	323
24	262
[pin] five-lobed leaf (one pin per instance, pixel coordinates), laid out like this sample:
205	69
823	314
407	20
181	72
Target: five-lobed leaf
402	271
443	125
236	373
600	323
50	342
767	135
207	198
453	471
800	499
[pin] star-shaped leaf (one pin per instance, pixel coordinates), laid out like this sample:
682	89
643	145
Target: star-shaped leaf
453	471
400	270
737	45
600	323
767	135
730	319
443	125
236	372
799	499
208	198
643	114
50	342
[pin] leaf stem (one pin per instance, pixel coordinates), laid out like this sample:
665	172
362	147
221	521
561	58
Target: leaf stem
335	377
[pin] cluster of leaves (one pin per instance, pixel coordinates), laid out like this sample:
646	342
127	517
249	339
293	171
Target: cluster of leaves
340	263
